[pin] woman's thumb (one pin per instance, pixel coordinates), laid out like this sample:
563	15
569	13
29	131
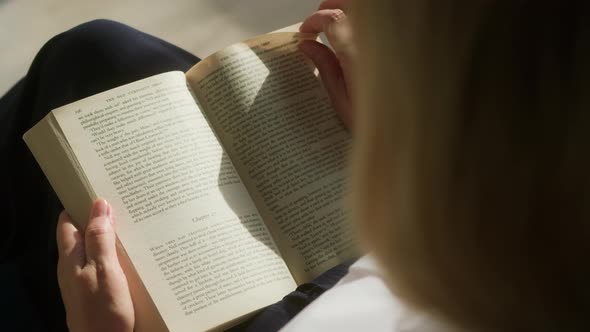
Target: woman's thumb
99	236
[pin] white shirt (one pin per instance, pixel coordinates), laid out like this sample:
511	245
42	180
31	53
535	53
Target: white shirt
360	301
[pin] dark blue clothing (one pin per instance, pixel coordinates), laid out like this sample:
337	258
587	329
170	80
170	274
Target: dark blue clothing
83	61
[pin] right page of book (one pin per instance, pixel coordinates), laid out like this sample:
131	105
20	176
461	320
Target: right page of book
275	120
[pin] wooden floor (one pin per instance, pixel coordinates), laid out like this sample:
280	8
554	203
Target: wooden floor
199	26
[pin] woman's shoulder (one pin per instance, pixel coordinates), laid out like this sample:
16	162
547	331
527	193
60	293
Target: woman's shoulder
360	301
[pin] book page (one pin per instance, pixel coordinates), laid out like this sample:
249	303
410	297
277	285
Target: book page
276	122
183	215
59	166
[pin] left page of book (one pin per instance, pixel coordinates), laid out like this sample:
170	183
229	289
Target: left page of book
183	215
50	150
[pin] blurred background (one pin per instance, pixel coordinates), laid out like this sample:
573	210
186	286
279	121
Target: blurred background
199	26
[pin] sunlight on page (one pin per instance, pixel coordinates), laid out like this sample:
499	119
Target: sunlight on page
278	126
237	78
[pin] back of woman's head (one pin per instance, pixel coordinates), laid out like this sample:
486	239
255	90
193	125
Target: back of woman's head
472	164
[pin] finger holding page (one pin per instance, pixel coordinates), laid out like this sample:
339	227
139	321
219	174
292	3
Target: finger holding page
334	23
334	67
332	76
100	238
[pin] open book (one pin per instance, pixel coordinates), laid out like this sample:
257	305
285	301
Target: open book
228	182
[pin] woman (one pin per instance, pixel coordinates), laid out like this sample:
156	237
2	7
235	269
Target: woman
470	172
471	161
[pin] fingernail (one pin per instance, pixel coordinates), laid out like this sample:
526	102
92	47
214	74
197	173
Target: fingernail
338	15
100	208
110	214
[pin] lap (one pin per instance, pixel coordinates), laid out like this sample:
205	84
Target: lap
83	61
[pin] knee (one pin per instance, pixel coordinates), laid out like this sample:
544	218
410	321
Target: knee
86	58
99	42
95	35
97	27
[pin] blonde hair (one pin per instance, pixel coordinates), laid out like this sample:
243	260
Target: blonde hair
472	158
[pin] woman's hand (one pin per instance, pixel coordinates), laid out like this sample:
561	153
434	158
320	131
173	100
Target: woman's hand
334	66
93	286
